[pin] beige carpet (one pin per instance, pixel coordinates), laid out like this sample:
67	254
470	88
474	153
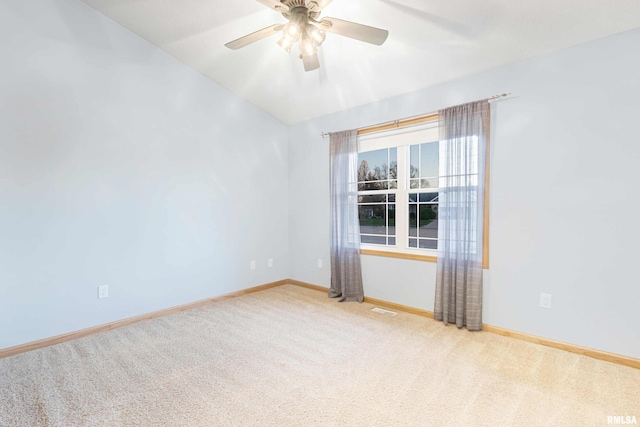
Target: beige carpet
290	356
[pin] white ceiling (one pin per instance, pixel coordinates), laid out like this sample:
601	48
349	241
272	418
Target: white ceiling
430	42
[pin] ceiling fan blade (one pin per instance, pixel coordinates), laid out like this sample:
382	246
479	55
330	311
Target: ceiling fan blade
355	31
275	5
254	37
317	5
311	62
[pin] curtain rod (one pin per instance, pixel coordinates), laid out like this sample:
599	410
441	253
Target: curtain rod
408	121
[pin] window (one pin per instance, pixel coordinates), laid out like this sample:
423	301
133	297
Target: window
398	190
398	180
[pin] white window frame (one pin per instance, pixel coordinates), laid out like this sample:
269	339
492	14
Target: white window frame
402	139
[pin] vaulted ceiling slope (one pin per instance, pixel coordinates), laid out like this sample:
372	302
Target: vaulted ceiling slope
430	42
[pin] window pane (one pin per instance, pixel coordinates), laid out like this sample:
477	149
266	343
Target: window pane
427	217
391	214
423	220
378	169
393	163
392	241
368	162
429	158
376	240
413	217
373	219
414	161
393	168
428	244
429	183
428	222
428	197
373	185
424	160
372	198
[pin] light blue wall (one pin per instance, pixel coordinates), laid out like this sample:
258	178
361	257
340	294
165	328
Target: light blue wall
564	206
120	166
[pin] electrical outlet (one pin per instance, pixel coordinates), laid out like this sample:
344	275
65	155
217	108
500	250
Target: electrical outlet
319	262
270	262
545	300
103	291
252	265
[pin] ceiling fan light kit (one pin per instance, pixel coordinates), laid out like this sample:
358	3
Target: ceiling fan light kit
300	30
305	29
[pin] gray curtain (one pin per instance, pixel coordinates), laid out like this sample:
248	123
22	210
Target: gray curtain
346	276
464	131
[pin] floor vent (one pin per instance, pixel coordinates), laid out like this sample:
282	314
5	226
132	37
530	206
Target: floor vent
385	312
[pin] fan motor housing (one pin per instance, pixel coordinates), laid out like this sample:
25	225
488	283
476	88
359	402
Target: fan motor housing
300	7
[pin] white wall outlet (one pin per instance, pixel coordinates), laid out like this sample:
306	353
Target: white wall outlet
252	265
270	262
319	262
545	300
103	291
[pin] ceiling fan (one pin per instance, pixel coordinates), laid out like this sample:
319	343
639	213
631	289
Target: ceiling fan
307	30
